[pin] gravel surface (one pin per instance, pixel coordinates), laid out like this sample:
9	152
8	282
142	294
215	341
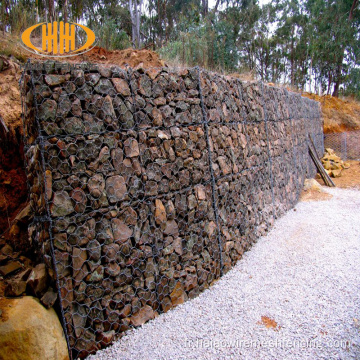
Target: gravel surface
302	279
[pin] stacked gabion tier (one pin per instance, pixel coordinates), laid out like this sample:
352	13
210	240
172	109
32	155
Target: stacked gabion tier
148	184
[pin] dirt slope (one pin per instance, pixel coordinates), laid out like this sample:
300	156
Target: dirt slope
340	114
10	45
13	188
133	58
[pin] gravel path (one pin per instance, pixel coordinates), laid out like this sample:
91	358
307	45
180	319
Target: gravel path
304	275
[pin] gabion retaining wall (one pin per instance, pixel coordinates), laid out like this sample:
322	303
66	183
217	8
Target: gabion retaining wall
148	184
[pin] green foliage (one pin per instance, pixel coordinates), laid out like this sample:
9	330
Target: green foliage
17	16
111	36
352	83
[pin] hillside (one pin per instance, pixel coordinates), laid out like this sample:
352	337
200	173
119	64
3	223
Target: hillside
340	114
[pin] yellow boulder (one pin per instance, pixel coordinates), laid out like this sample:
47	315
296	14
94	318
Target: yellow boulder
335	173
28	331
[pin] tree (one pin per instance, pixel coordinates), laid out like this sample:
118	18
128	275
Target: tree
334	44
135	9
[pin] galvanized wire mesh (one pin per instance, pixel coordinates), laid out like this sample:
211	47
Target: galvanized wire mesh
345	144
148	184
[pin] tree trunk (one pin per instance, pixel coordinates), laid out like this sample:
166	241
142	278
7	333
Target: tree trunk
51	10
353	7
329	83
340	63
217	5
204	7
338	79
133	23
65	11
159	22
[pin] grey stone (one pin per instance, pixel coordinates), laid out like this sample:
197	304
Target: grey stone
61	204
105	87
94	250
47	110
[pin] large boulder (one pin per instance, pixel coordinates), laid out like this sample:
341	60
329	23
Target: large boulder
28	331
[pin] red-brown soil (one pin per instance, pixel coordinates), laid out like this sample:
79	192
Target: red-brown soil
13	188
340	114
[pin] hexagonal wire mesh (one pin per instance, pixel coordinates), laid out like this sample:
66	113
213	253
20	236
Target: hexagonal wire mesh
148	184
345	144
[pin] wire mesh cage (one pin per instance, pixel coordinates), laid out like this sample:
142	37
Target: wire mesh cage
345	144
149	184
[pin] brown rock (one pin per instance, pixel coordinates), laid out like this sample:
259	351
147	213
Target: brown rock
166	304
96	185
112	269
66	291
190	282
210	228
200	192
48	178
79	197
153	72
121	86
115	188
171	228
38	280
107	107
15	287
79	256
62	263
110	252
177	244
180	144
105	338
223	165
125	312
79	320
144	314
157	117
49	298
117	157
178	295
10	268
131	148
243	140
7	250
160	101
160	212
121	231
